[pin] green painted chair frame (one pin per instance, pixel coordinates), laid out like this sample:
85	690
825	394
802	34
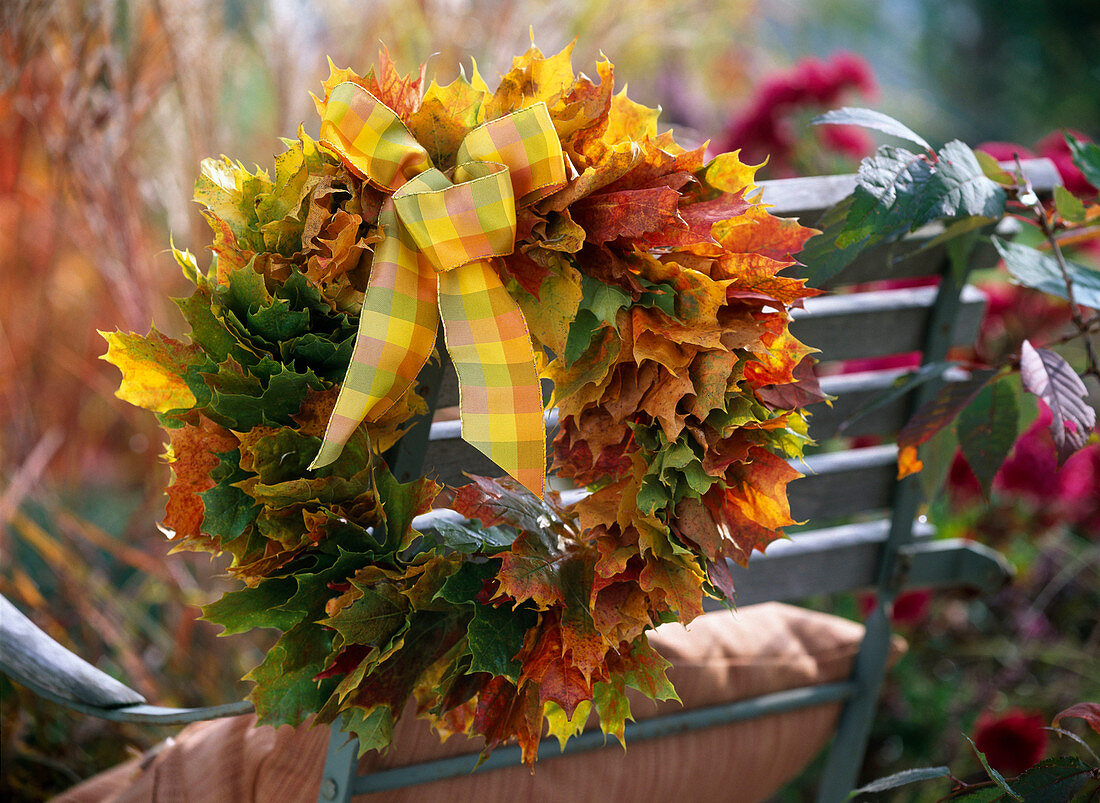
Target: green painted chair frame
886	551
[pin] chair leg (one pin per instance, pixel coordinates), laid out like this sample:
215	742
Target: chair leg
850	743
340	762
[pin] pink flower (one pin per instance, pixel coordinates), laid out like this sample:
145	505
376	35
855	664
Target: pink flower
1054	147
910	608
1012	742
764	129
847	140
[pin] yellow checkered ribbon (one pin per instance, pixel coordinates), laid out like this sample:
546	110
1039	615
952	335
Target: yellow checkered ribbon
433	263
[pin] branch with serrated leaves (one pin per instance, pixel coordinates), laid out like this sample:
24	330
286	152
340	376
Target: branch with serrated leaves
1047	223
897	191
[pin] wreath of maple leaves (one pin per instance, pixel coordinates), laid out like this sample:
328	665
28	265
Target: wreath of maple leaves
652	283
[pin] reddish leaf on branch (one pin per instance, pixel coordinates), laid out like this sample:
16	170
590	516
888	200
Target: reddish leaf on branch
1049	376
987	429
951	399
1090	712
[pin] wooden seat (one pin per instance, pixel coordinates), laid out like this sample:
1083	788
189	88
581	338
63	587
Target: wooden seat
862	532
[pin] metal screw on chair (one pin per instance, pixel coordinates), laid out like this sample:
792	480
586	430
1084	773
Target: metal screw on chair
329	789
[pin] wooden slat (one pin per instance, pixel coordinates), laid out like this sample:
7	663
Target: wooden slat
806	197
846	558
911	258
832	560
851	392
875	324
837	485
954	561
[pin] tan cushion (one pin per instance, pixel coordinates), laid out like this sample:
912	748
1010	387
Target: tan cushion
720	657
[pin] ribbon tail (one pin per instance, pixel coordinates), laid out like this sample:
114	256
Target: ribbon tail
500	396
397	331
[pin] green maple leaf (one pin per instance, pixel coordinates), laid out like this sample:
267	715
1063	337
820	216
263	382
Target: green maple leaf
331	564
599	305
495	637
373	728
327	490
613	709
277	321
241	401
464	586
375	619
469	537
255	606
228	511
286	692
401	503
645	670
209	332
326	357
280	455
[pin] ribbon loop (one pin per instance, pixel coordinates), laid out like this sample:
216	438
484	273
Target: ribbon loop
370	139
526	143
432	264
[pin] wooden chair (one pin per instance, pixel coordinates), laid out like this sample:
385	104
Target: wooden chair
863	533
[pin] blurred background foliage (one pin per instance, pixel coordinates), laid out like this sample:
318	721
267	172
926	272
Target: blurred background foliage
107	107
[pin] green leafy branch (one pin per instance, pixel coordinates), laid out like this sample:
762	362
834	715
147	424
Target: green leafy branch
898	191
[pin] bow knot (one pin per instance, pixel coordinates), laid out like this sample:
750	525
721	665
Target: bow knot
439	234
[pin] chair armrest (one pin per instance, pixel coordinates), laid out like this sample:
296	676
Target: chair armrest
33	659
30	657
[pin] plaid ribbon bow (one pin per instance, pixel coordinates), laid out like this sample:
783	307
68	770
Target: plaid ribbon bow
438	235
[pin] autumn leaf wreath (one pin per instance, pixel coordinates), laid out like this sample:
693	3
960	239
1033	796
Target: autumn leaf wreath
649	282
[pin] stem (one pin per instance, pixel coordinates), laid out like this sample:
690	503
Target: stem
1091	325
1084	329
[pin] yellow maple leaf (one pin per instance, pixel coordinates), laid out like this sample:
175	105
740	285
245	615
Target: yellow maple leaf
628	121
533	78
152	369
